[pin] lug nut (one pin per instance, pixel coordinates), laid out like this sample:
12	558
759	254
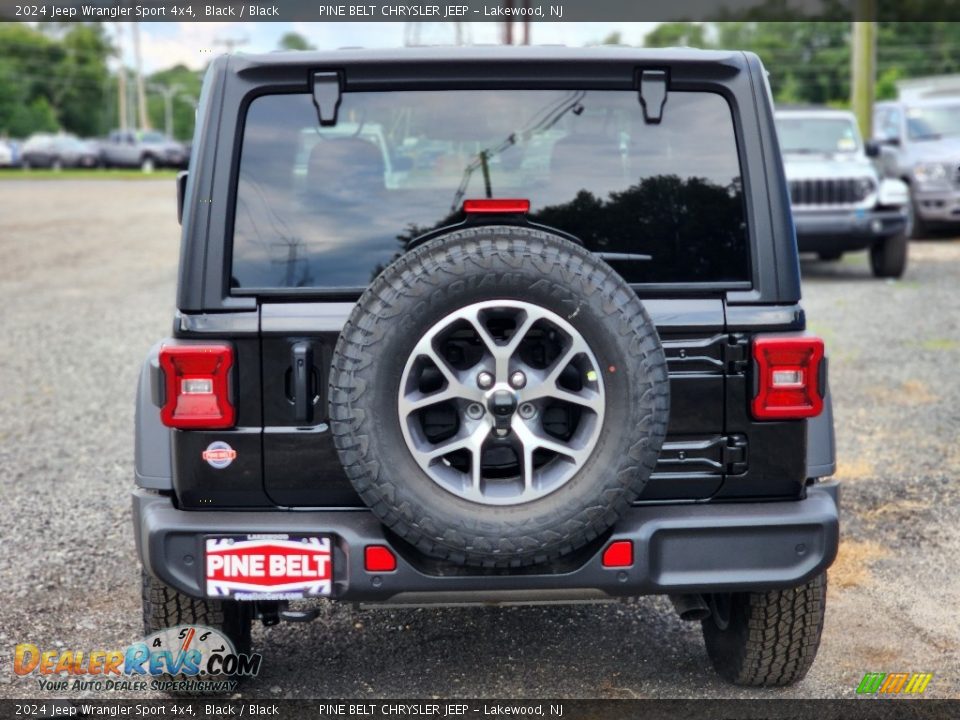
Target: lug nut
527	411
518	380
485	381
474	411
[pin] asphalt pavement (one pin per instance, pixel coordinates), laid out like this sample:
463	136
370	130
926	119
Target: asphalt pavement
87	281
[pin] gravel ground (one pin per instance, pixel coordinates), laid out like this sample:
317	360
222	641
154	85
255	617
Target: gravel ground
87	282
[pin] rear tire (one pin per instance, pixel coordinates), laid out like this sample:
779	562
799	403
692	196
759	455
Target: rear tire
888	258
917	229
766	639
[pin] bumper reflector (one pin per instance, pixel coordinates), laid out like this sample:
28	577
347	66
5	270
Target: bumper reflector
618	554
379	558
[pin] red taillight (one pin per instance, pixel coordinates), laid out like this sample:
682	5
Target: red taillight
379	558
618	554
788	377
493	206
196	386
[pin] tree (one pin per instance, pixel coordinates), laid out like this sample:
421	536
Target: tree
677	34
53	77
294	41
185	86
809	61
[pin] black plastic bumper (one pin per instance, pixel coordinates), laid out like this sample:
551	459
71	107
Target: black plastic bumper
826	230
677	549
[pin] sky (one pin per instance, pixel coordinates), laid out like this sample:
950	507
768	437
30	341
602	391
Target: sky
167	44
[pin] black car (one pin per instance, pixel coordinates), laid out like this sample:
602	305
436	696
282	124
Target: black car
532	333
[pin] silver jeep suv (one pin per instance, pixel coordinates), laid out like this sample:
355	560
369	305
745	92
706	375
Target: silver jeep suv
840	202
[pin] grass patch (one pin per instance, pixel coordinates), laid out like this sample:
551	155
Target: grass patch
90	174
938	344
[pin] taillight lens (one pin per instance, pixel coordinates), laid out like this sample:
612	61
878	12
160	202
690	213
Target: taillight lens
788	377
197	386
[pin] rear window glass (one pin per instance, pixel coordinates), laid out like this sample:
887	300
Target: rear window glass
330	207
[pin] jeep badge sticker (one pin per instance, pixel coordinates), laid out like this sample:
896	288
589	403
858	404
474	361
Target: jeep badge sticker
219	455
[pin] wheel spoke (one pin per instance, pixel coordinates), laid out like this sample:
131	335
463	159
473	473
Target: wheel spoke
532	440
502	352
455	388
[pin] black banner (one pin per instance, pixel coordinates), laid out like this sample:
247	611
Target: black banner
473	10
859	709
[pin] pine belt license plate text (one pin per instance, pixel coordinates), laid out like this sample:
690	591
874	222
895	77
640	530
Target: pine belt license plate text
268	567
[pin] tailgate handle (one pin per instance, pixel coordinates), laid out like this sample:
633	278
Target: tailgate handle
301	358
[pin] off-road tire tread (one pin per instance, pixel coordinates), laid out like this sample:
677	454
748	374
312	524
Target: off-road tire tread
773	636
434	264
164	607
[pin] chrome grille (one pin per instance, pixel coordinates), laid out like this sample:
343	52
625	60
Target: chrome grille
830	191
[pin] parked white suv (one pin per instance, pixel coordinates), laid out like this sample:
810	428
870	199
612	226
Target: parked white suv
840	202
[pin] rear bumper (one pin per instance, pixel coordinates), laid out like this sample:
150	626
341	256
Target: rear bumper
845	230
677	549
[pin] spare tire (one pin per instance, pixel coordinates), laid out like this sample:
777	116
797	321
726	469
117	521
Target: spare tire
499	396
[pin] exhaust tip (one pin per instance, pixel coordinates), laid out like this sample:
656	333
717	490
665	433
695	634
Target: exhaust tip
690	608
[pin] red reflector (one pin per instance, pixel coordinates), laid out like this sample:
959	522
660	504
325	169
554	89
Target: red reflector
196	386
788	377
618	554
378	558
493	206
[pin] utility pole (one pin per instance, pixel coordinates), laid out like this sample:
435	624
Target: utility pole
168	92
143	118
121	80
231	43
864	63
526	23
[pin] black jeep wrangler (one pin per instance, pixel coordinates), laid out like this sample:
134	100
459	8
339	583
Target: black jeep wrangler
490	325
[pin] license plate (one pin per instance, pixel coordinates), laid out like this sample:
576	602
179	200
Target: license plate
268	567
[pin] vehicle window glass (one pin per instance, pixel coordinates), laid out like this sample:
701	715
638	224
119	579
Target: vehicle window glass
934	122
890	124
330	207
817	135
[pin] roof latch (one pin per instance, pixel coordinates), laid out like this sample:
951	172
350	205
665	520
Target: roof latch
327	90
653	94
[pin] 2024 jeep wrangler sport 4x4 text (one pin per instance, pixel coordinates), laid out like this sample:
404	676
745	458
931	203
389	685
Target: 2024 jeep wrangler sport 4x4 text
490	325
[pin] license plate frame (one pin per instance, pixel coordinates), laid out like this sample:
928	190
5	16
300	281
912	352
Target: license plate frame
268	566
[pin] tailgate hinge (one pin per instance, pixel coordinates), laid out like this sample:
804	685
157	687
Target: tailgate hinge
652	85
327	91
736	354
735	454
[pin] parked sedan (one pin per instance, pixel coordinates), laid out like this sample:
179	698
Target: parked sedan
6	154
59	151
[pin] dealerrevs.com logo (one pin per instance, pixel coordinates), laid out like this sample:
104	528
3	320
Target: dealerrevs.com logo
186	658
898	683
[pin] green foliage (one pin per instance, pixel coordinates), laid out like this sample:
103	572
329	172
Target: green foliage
809	61
294	41
185	85
677	34
53	77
